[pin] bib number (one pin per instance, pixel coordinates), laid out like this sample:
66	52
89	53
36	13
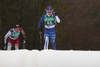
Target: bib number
49	23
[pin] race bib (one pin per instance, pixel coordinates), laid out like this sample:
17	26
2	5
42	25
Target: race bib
49	22
49	19
15	34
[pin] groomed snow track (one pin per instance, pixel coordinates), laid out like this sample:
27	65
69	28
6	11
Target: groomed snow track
49	58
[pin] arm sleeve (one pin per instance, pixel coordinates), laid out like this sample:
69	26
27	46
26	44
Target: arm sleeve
57	19
40	22
6	36
22	31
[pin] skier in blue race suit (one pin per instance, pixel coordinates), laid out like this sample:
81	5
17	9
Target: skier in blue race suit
49	31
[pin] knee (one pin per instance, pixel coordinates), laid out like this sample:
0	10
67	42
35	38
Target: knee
52	40
9	44
16	47
46	38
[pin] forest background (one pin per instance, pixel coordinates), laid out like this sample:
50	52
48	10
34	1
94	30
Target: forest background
79	28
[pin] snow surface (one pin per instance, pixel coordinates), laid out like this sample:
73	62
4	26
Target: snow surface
49	58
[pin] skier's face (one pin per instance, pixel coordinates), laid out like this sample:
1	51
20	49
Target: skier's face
16	29
49	12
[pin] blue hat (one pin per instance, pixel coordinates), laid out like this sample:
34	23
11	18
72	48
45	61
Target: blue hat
49	8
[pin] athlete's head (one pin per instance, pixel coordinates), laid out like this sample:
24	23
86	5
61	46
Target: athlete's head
49	10
16	25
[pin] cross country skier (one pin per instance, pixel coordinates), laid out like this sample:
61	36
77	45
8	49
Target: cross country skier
13	37
49	31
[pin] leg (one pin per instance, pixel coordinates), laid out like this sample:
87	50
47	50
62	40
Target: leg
16	47
46	37
16	44
10	43
9	46
52	36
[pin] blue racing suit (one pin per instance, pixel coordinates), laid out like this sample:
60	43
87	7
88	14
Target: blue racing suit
49	30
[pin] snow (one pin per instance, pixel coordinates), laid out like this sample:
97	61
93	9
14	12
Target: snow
49	58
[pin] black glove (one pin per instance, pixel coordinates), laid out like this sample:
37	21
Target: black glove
40	31
24	40
55	13
5	46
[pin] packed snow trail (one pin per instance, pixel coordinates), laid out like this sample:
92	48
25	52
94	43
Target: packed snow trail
49	58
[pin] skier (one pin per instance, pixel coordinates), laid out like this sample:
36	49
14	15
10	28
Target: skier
49	31
13	37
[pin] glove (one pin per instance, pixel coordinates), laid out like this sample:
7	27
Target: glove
55	13
24	40
5	46
40	31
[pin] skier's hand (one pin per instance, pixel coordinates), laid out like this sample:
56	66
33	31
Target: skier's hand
55	13
5	46
24	40
40	32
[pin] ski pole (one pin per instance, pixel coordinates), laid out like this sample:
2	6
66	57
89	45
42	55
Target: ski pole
23	45
41	41
56	28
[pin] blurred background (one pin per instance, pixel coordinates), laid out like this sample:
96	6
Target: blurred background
79	28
